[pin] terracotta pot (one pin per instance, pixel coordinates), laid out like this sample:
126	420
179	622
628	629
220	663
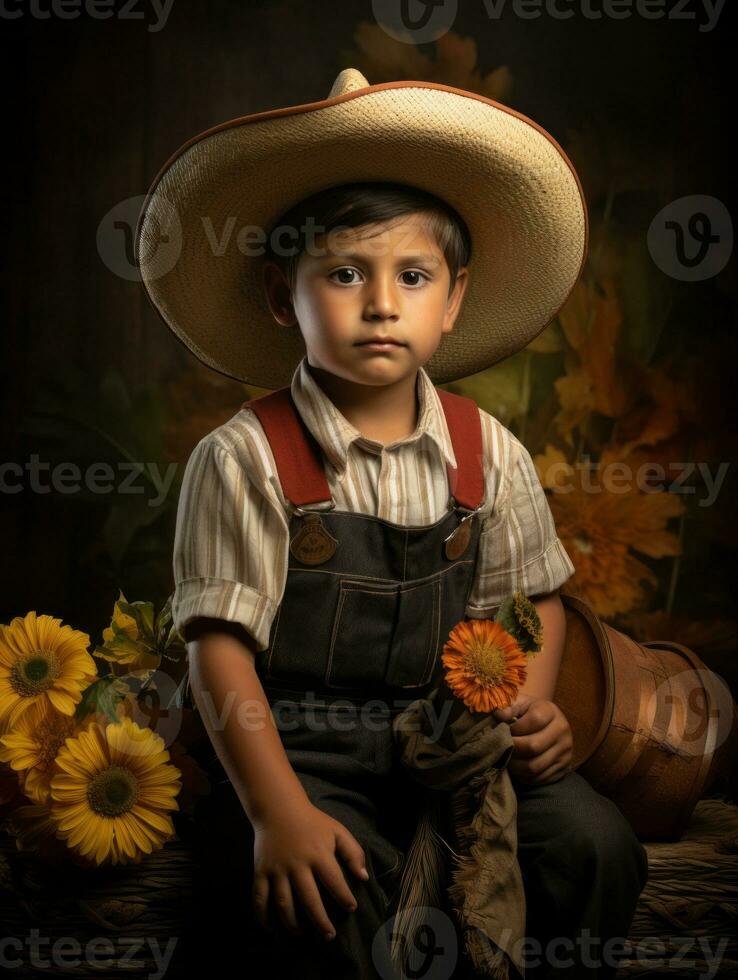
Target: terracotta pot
653	726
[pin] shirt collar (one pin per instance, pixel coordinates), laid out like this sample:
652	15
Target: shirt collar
335	434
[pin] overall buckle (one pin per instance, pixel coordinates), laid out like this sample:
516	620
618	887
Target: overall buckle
313	544
456	543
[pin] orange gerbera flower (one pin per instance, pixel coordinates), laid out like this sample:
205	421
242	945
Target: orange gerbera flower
485	665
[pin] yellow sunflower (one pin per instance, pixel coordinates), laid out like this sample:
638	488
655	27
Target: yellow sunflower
30	747
42	663
485	665
112	792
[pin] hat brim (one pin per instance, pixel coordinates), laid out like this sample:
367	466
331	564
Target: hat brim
506	176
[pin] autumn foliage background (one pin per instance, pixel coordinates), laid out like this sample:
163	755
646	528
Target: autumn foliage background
636	369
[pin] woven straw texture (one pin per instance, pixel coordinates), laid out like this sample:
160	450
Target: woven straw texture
691	894
126	909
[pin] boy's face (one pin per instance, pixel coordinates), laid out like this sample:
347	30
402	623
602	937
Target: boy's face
379	281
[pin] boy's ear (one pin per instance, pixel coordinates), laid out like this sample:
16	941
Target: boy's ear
278	294
456	296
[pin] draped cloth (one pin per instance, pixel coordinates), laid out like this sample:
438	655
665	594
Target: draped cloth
460	757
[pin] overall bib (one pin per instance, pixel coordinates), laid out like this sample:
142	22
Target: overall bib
367	607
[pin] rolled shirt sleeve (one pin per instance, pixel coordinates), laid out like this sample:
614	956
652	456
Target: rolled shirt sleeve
230	545
519	549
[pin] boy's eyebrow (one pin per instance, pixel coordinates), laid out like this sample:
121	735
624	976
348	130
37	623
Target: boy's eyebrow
421	257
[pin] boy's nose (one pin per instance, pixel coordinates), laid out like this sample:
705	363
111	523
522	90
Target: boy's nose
381	297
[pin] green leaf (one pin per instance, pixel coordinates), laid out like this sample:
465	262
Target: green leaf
125	647
143	613
163	620
175	647
102	696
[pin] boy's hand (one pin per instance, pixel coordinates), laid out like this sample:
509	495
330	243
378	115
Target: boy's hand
542	739
291	847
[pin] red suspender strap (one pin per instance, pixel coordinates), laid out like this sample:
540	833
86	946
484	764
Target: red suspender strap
465	428
298	456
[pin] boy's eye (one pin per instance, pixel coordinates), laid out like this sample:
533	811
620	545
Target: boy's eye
414	272
346	272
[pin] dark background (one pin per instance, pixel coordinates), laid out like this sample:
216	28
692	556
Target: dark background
95	108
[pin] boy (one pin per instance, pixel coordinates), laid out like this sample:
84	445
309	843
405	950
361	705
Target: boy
331	534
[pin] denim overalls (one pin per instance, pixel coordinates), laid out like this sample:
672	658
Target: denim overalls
368	604
367	607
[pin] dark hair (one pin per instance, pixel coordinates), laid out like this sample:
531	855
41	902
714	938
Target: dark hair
352	205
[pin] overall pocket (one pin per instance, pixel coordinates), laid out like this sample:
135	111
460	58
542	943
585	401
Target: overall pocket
416	634
362	633
301	631
385	633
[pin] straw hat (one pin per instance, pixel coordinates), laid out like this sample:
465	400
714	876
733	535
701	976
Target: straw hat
507	177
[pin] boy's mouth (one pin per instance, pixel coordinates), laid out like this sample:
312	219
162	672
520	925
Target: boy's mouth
381	343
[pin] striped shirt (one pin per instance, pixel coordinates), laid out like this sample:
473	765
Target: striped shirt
231	545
